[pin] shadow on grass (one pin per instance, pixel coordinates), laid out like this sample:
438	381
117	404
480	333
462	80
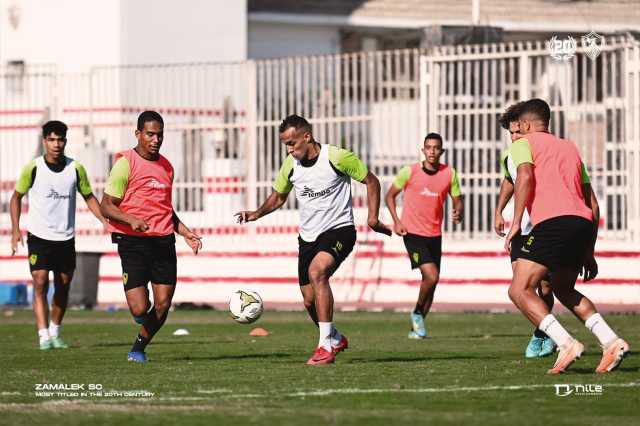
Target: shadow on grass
232	357
419	359
591	371
161	343
485	336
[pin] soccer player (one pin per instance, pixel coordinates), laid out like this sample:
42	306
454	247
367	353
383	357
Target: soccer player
425	185
540	345
51	181
321	176
549	186
137	203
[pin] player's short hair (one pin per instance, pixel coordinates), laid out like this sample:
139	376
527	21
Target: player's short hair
510	115
54	126
146	117
296	122
537	107
435	136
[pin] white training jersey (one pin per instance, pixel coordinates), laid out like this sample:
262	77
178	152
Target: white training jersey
52	197
512	171
323	189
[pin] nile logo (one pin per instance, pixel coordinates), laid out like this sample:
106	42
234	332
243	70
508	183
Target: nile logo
125	278
33	259
416	257
247	299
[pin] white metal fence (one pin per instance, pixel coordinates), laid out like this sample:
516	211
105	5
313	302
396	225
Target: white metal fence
221	122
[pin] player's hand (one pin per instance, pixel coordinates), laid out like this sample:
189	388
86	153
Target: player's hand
589	269
378	226
193	240
245	216
16	238
456	216
138	225
513	232
498	225
400	229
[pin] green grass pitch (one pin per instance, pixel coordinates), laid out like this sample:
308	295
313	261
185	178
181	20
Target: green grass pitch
471	371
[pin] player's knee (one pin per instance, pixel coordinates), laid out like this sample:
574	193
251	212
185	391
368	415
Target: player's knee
162	306
432	279
139	312
40	286
317	275
309	302
514	294
40	280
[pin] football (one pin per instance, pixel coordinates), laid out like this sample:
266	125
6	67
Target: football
245	306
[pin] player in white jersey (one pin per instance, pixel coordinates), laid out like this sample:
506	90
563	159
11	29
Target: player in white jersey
321	176
51	181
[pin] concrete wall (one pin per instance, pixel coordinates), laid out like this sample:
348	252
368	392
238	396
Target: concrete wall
271	40
78	34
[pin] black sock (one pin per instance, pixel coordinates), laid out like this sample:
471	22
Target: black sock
140	343
418	310
540	334
151	324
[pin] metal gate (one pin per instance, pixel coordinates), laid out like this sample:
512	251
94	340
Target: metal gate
222	119
594	102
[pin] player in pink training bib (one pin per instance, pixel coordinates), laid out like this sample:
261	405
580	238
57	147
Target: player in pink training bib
562	240
426	186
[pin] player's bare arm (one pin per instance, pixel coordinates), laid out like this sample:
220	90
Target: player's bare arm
523	191
94	207
506	192
590	267
373	204
193	240
109	209
15	207
272	203
390	201
457	213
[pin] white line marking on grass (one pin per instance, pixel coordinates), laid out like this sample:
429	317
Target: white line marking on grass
9	393
182	398
326	392
207	391
356	391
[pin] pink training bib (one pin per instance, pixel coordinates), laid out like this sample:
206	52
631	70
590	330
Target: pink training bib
148	195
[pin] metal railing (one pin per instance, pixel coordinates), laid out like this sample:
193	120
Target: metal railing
221	122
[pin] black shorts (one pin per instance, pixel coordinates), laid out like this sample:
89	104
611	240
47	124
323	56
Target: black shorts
423	250
337	242
58	256
516	246
146	259
516	252
559	242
